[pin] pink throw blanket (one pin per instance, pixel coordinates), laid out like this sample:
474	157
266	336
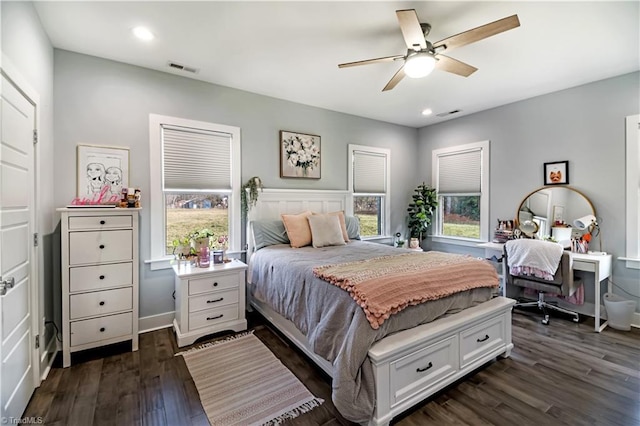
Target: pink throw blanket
386	285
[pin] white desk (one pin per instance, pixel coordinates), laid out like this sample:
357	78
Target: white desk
599	265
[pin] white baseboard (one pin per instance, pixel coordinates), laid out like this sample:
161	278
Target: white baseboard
48	356
635	322
155	322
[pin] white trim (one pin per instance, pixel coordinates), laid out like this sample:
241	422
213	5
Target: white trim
155	322
633	191
156	199
386	213
484	147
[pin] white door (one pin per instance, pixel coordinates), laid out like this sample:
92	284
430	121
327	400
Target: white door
17	123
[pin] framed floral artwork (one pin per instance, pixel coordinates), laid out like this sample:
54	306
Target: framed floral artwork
556	173
299	155
102	172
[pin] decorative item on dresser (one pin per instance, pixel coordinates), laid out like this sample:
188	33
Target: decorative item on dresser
209	300
99	278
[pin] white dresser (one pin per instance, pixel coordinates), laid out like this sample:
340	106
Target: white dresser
209	300
99	278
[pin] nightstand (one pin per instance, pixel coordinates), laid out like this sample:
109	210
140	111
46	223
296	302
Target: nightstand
209	300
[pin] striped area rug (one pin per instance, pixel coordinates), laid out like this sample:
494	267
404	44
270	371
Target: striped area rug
241	382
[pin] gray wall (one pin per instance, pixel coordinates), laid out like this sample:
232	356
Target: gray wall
103	102
585	125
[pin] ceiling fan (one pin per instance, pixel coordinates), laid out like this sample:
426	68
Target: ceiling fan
423	56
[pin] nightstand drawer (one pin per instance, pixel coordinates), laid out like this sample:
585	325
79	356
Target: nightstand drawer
86	278
423	369
213	316
481	339
99	222
100	246
212	300
213	282
103	328
579	265
100	303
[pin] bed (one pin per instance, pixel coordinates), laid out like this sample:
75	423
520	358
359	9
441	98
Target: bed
377	373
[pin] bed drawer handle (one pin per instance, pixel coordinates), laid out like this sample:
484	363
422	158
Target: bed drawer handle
422	370
216	317
484	339
215	300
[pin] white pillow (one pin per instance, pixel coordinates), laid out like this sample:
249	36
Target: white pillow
325	230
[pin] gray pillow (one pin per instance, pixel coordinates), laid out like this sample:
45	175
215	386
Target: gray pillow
268	233
353	227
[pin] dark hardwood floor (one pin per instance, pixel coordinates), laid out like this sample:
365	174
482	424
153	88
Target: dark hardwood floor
560	374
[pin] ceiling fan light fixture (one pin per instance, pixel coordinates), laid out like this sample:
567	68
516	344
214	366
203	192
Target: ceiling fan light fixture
419	65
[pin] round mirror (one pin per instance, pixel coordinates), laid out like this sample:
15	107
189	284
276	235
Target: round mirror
554	211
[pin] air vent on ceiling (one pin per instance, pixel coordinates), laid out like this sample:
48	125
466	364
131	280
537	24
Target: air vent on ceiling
444	114
180	67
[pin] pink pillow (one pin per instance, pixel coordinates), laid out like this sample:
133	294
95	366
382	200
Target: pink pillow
298	229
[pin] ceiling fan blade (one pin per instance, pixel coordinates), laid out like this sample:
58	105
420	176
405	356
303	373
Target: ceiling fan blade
395	79
370	61
454	66
411	30
479	33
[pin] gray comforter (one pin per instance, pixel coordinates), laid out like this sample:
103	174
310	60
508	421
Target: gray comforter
333	323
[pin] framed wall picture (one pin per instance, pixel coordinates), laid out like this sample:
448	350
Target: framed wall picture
299	155
102	172
556	173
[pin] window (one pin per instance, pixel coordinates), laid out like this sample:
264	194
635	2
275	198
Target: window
195	178
369	187
461	177
633	192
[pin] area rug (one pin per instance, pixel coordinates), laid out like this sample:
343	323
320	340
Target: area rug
241	382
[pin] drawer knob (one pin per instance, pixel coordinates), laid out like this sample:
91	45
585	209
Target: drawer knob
215	284
102	329
102	222
101	303
215	300
484	339
216	317
101	246
422	370
101	277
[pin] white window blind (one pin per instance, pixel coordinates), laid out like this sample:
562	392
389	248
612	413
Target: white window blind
460	173
196	159
369	173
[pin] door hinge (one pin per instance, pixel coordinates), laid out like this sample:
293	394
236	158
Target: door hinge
35	136
35	239
37	341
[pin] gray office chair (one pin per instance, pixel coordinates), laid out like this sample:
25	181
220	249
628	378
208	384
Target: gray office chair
563	284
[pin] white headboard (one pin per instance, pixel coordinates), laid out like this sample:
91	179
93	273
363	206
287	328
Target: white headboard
274	202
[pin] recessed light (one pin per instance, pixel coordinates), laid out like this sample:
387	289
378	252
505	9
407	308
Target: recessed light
427	111
143	33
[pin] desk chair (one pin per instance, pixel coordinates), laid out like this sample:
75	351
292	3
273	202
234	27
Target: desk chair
563	284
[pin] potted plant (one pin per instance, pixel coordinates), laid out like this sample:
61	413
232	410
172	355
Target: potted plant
425	201
181	247
201	239
249	194
399	243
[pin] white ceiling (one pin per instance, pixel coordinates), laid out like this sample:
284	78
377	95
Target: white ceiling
290	50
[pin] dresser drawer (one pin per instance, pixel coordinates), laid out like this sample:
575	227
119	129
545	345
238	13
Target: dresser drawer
100	246
213	316
213	282
103	328
481	339
99	222
423	369
86	278
100	303
213	300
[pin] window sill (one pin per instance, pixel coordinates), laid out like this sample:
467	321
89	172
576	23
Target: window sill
631	262
467	242
382	239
